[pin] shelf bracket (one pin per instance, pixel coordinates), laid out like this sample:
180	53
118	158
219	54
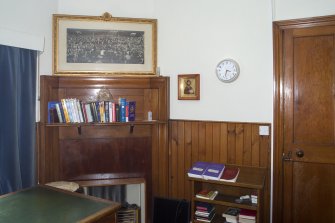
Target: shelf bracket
79	129
131	128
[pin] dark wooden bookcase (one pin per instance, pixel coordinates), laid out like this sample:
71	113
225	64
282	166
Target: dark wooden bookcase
112	153
251	180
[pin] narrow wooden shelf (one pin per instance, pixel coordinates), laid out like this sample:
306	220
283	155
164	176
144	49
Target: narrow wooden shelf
109	182
144	122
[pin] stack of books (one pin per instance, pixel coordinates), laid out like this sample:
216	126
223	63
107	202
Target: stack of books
204	212
206	170
207	194
254	199
247	216
231	215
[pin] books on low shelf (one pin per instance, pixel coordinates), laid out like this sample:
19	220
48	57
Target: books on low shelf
213	171
198	169
204	212
231	214
247	216
207	194
203	206
230	174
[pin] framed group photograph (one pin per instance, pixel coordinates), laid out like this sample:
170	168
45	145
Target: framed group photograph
104	45
189	87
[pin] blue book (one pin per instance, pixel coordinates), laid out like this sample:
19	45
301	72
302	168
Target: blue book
213	171
131	111
122	107
198	169
52	111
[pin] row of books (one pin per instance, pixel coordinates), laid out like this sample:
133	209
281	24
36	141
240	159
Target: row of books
72	110
214	171
204	212
237	215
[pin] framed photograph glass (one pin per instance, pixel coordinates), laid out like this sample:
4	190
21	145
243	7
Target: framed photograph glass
104	45
189	87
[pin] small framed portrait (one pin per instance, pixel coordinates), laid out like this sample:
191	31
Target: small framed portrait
189	87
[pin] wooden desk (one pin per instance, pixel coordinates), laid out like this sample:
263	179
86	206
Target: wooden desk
47	204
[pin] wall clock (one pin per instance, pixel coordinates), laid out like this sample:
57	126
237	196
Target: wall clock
227	70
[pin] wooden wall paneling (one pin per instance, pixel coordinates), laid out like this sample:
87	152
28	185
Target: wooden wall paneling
188	156
223	142
195	141
216	141
173	167
255	146
209	140
202	141
180	160
239	143
156	156
163	183
231	153
247	148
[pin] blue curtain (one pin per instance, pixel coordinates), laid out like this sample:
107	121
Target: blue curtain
17	118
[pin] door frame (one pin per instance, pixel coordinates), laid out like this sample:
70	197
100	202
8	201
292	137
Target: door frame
279	27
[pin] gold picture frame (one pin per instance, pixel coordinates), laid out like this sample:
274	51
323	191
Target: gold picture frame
189	87
104	45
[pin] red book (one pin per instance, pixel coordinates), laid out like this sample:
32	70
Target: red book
248	214
230	174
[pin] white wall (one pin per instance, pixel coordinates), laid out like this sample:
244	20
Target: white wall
292	9
193	36
33	19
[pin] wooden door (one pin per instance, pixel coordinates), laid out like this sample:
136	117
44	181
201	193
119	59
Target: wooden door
304	174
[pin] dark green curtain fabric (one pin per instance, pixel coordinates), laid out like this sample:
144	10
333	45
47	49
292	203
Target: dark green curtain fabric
17	118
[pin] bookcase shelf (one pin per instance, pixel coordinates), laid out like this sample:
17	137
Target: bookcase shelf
97	153
250	181
144	122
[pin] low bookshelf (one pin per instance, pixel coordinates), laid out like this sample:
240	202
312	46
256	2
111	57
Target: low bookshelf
250	181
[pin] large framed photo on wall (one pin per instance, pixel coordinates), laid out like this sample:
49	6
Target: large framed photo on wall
104	45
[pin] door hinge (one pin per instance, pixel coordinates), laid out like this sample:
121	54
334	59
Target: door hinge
287	157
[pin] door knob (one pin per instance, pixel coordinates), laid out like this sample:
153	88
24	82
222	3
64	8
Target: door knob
300	153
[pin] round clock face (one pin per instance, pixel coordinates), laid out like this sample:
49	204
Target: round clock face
227	70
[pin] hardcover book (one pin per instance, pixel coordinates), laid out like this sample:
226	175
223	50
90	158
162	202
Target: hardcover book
231	214
214	171
230	174
202	206
207	194
248	214
132	109
198	169
122	107
205	219
52	112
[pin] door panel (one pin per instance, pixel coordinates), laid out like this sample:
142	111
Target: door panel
314	188
313	72
305	121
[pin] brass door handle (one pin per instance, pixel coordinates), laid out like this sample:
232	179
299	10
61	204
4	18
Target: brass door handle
300	153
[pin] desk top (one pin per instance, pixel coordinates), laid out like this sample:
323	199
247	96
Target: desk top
43	204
